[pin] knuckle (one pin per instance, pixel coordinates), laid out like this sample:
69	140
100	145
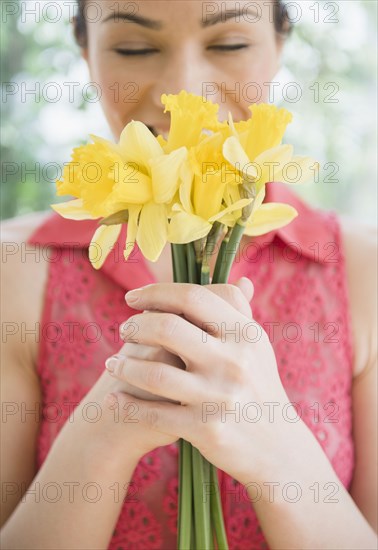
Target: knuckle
129	328
154	375
194	294
167	324
234	295
235	366
120	367
236	380
230	360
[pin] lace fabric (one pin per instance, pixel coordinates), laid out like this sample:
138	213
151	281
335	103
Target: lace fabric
300	300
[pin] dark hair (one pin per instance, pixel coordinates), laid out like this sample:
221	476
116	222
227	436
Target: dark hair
282	22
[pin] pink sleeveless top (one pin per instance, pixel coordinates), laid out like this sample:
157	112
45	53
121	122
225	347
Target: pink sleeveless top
301	301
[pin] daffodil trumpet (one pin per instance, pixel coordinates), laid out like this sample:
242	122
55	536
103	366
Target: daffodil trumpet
202	184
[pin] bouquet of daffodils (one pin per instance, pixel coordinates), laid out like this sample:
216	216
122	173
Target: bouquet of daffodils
202	184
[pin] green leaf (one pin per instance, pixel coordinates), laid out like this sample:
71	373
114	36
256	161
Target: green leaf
114	219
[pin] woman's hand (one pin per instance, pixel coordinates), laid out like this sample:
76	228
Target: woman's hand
135	349
231	374
238	296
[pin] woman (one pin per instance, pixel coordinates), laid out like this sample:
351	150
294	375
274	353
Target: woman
297	475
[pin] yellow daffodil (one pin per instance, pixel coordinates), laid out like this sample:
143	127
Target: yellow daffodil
268	217
174	189
256	150
262	217
205	176
137	176
89	177
191	115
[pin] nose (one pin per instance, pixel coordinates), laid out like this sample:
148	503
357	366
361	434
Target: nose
183	70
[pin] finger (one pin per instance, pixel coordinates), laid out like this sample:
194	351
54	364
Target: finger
167	418
158	378
175	334
195	302
239	300
247	288
151	353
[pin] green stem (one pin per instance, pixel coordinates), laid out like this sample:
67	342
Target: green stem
201	480
192	264
201	517
216	511
205	271
220	257
185	517
211	242
180	270
222	269
227	255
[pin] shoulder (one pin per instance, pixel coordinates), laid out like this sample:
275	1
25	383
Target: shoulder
23	278
360	251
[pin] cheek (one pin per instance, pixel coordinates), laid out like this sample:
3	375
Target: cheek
248	81
121	91
255	79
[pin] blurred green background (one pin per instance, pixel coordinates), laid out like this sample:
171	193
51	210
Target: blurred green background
331	57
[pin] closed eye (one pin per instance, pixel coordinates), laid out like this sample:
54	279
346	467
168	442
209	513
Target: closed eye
228	47
150	51
146	51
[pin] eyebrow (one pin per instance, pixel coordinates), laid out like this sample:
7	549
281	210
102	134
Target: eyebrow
133	18
225	15
210	20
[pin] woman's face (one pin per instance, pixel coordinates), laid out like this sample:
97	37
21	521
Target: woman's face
225	51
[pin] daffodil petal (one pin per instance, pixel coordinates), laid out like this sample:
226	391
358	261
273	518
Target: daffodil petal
185	188
234	153
270	163
190	114
185	228
300	170
106	143
132	187
139	145
165	173
259	199
101	244
73	210
269	217
132	228
152	230
266	128
236	206
232	125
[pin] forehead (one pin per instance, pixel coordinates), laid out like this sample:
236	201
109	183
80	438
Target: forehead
169	13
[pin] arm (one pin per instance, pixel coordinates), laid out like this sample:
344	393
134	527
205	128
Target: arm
360	245
325	516
349	522
83	452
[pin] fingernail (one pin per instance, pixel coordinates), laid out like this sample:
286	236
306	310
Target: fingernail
111	364
133	296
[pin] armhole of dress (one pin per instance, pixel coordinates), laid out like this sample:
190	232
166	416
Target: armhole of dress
344	291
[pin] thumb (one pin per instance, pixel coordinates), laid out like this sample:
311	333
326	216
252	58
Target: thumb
246	286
